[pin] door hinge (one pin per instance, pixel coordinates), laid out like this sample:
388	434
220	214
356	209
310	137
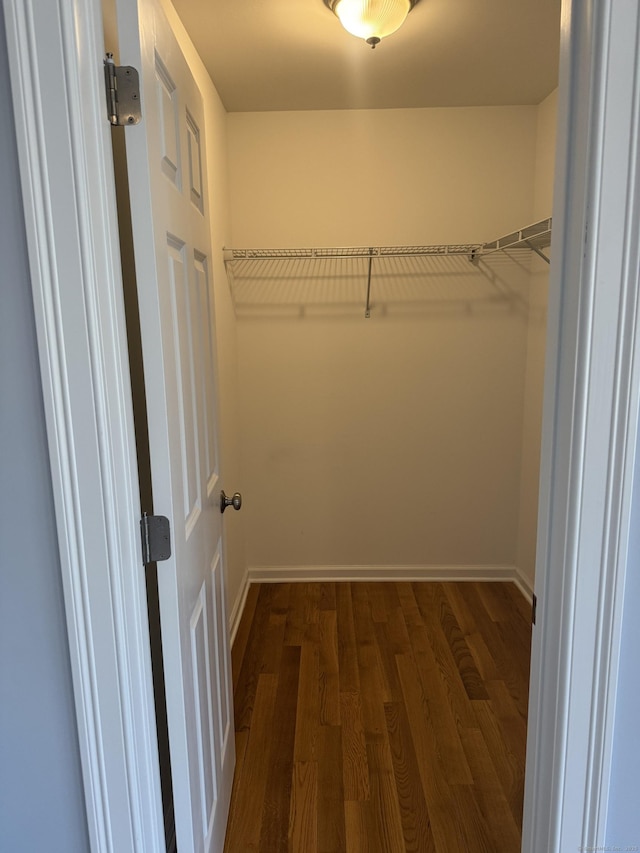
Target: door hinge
123	93
156	538
534	608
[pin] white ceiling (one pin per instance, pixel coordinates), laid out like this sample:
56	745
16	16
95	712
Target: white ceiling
294	54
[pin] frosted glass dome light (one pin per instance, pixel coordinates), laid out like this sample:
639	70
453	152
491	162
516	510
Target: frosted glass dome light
371	20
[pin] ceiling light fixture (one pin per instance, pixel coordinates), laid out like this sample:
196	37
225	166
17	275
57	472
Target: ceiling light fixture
371	20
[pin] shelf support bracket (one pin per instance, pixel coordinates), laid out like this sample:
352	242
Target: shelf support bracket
367	308
538	251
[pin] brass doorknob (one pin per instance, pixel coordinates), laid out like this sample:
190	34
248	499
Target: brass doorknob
225	501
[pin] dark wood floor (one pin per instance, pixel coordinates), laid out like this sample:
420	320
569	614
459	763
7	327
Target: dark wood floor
380	717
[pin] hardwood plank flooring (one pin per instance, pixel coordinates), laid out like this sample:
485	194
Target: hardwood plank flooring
380	718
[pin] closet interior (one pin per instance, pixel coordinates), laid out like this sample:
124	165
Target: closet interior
390	375
380	380
391	366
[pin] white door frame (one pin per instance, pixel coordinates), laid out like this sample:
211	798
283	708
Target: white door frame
590	427
589	432
56	49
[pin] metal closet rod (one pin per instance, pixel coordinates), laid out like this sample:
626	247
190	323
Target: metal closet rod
324	253
534	237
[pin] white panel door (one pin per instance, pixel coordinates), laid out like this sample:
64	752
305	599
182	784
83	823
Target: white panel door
172	242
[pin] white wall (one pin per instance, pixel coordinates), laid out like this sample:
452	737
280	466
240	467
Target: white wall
41	794
397	440
536	343
545	156
380	177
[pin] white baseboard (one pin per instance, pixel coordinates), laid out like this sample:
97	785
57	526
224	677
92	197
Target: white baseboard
292	574
278	574
524	584
238	607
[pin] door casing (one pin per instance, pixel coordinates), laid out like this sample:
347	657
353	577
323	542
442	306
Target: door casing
589	431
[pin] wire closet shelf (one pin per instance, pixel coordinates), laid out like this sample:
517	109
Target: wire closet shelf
536	238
